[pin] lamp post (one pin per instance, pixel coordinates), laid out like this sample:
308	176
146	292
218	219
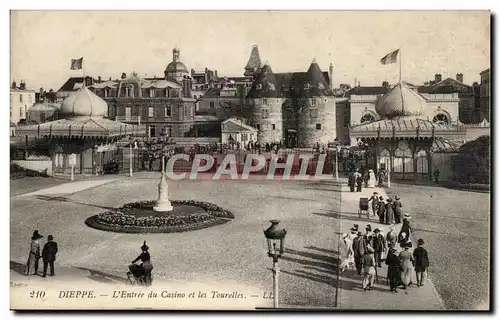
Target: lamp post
131	162
337	150
162	203
276	247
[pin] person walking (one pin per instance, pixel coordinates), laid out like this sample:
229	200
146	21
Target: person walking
406	265
379	247
389	212
49	255
421	262
345	252
34	254
352	181
368	269
374	199
391	237
381	210
359	182
359	248
393	269
406	228
397	210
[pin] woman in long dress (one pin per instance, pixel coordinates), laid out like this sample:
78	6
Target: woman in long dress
372	181
34	255
346	252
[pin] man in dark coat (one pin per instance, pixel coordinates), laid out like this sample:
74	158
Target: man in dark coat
393	271
379	246
359	248
359	181
421	262
381	210
49	255
352	181
374	200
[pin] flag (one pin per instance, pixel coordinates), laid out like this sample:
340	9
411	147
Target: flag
76	64
390	58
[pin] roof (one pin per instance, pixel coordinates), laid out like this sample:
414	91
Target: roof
235	125
84	103
254	60
211	93
367	91
400	101
79	127
445	145
201	118
401	127
316	82
73	84
484	71
265	85
45	107
448	85
104	84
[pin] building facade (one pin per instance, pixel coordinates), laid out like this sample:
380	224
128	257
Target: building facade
485	98
21	100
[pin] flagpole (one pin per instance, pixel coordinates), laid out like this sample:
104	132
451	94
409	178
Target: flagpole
401	81
83	71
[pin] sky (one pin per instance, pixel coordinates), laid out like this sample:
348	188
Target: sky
112	42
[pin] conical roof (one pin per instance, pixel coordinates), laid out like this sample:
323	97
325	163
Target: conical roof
265	84
84	103
317	82
400	102
254	60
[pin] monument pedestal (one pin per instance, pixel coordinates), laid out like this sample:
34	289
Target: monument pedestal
163	204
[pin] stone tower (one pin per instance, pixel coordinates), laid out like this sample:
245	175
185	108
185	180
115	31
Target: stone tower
266	101
316	118
254	64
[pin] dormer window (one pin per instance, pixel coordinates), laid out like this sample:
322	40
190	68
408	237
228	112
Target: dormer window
151	92
313	102
106	92
168	111
127	92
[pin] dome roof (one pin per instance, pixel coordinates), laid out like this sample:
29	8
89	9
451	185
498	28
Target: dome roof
176	66
391	104
84	103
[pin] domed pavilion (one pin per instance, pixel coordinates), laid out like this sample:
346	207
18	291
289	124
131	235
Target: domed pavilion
84	132
402	140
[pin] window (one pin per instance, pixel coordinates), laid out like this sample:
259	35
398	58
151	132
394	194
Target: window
273	126
151	92
106	92
212	105
422	162
367	117
385	159
152	131
258	126
313	102
265	113
168	111
128	112
264	102
318	126
151	112
313	113
167	93
403	160
127	92
20	98
243	137
441	119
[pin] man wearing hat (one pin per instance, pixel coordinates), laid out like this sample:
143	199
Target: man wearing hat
34	254
397	209
391	236
379	246
374	199
368	262
389	212
381	210
421	262
359	248
49	255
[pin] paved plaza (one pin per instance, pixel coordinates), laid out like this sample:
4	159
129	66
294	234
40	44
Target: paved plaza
314	213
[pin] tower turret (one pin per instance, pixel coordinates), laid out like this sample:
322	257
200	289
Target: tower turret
254	63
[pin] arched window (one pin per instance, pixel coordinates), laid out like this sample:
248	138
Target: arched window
441	119
422	161
385	158
367	117
403	160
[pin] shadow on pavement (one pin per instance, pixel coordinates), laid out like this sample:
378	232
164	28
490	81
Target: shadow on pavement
352	216
103	277
17	267
64	199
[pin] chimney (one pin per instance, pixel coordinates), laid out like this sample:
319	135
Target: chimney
437	78
14	85
359	84
216	74
124	75
192	71
385	84
330	74
22	85
99	79
109	78
460	77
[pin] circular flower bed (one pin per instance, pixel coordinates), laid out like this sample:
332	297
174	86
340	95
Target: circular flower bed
139	217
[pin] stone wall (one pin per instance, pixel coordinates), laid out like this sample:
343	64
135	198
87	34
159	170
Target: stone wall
267	118
317	121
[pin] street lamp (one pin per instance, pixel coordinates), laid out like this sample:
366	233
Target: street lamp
162	203
337	150
131	162
276	247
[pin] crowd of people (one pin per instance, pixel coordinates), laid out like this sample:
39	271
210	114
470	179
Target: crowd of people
366	252
366	178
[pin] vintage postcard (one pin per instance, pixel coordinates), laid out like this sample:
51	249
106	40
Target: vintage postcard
245	160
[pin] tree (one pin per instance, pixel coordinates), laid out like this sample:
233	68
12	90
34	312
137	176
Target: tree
472	164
